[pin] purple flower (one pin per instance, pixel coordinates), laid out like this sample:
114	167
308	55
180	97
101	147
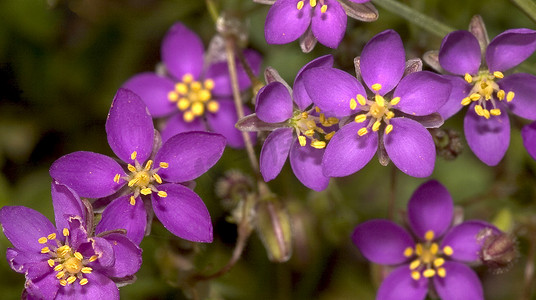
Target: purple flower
151	172
486	90
436	252
392	117
312	20
192	93
67	262
528	133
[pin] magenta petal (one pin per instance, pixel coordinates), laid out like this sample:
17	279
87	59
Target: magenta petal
410	147
66	203
383	60
274	103
422	93
348	152
274	152
129	127
189	155
133	218
461	283
460	53
182	52
21	261
382	241
183	213
510	48
98	287
430	208
528	133
153	90
460	90
400	286
488	139
219	73
223	122
331	90
524	87
24	226
329	27
463	240
176	124
127	256
88	174
306	163
44	287
285	23
301	98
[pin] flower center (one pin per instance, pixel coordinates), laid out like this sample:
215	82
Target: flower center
378	111
486	91
307	126
142	178
428	258
70	265
193	97
323	7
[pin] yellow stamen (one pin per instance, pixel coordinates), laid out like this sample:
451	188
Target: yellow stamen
415	275
188	116
442	272
131	168
478	110
353	104
304	115
408	252
495	112
172	96
45	250
379	100
148	165
376	87
448	250
486	113
183	104
93	258
318	144
468	78
376	126
132	200
187	78
395	101
78	255
133	155
474	96
65	232
133	182
362	131
58	268
498	74
389	115
63	282
204	95
418	249
302	140
198	108
323	8
162	194
116	178
51	262
510	96
181	88
438	262
322	117
317	109
209	84
466	101
388	129
71	279
163	165
196	86
434	248
429	235
414	264
83	281
312	3
213	106
146	191
157	178
361	99
42	240
309	132
86	270
428	273
329	135
60	274
501	94
333	120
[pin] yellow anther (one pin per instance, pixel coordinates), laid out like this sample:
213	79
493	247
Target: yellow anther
418	249
78	255
448	250
414	264
428	273
304	115
474	96
495	112
353	104
196	86
300	5
302	140
478	110
362	131
83	281
379	100
65	232
510	96
198	108
486	113
394	101
213	106
133	155
498	74
209	84
318	144
376	126
71	279
157	178
388	129
172	96
162	194
389	115
361	99
317	109
309	132
429	235
442	272
146	191
93	258
416	275
51	262
434	248
312	3
501	94
181	88
466	101
183	104
333	120
164	165
60	274
86	270
63	282
42	240
468	78
132	200
408	252
133	182
438	262
131	168
117	177
58	268
323	8
322	118
329	135
187	78
376	87
188	116
45	250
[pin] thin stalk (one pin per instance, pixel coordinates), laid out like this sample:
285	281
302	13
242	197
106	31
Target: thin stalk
392	193
528	7
212	10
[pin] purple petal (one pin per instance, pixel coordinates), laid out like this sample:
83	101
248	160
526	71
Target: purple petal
422	93
382	241
66	202
182	52
219	73
120	214
460	53
44	287
430	208
102	249
410	147
273	103
329	27
348	152
189	155
488	139
183	213
463	240
285	23
400	286
98	287
22	261
153	90
129	127
460	283
77	231
301	98
88	174
460	90
24	226
524	87
528	133
176	124
306	163
223	122
510	48
127	256
274	152
331	90
383	61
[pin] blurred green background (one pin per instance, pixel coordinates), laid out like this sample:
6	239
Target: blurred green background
61	63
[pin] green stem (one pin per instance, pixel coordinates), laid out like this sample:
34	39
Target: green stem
429	24
212	10
528	7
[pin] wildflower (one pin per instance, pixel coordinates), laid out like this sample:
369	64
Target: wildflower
528	133
151	172
438	254
67	262
483	85
192	93
393	121
312	20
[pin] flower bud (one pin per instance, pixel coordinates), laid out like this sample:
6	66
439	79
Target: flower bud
448	143
273	226
499	250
